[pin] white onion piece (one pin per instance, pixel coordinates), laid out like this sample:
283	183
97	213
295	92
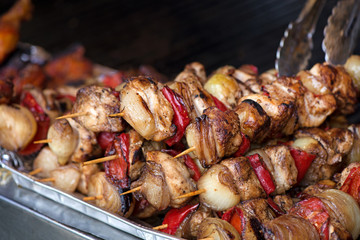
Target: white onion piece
47	161
304	143
352	66
66	177
17	127
221	192
217	229
63	140
344	208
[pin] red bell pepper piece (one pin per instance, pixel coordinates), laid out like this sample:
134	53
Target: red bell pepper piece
189	162
113	80
174	217
235	217
181	117
244	147
262	173
117	170
105	139
275	207
302	160
219	104
352	184
42	120
70	97
314	210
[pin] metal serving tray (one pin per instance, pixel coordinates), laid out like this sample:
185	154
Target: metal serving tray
15	164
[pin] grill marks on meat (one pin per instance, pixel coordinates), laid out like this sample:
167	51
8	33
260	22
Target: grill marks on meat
196	98
282	167
98	102
336	143
146	109
136	158
340	84
164	179
215	134
245	179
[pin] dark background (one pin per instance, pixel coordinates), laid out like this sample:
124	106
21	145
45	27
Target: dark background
168	34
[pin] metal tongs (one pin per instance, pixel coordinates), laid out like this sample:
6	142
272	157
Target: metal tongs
341	33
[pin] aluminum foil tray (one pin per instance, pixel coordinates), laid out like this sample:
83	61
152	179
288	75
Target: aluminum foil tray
17	165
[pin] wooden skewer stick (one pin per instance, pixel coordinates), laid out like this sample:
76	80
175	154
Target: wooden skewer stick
93	198
46	180
189	150
99	160
117	114
42	141
164	226
190	194
35	171
73	115
131	190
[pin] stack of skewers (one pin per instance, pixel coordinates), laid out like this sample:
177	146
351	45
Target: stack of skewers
233	155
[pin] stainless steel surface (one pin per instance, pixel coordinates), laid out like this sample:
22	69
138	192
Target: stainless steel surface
295	47
55	208
342	31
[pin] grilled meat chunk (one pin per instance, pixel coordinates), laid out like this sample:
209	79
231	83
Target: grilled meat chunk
282	168
98	103
215	134
246	181
146	109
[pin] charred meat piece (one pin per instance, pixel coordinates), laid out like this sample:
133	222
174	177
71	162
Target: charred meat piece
6	90
245	179
136	158
341	85
111	199
86	146
254	122
215	134
146	109
336	142
98	103
153	186
279	111
282	167
195	97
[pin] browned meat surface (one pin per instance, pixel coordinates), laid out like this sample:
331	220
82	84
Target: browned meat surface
254	211
153	186
254	122
282	167
146	109
279	111
86	146
98	102
248	75
198	69
195	97
336	142
245	178
6	90
215	135
285	202
341	85
111	199
176	174
136	158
